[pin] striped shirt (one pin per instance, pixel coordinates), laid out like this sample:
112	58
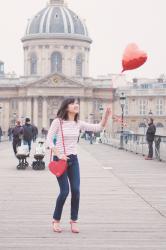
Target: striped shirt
71	130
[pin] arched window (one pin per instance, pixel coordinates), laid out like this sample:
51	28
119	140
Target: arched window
33	64
159	125
79	65
56	62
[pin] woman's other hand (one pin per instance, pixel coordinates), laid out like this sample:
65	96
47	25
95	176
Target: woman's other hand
64	157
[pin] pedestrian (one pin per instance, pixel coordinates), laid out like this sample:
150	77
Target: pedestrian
79	137
35	133
17	133
126	138
1	133
86	135
150	135
10	133
44	133
102	136
28	133
91	137
71	125
54	139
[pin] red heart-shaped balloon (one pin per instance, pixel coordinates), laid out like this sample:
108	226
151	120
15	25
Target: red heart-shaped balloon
133	57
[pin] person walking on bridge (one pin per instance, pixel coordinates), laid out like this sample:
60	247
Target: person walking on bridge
28	133
1	134
17	133
150	134
68	115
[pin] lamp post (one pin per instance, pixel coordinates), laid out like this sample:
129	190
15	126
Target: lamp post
101	110
122	103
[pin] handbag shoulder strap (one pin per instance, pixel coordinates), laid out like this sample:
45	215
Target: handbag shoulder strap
62	140
61	122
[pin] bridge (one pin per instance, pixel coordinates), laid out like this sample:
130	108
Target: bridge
123	203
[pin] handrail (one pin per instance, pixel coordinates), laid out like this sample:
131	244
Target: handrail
137	143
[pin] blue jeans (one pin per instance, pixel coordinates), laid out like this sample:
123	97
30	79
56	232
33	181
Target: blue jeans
28	143
72	175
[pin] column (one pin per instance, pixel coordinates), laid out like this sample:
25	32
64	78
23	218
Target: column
82	109
29	108
87	64
35	112
90	111
44	114
20	108
5	116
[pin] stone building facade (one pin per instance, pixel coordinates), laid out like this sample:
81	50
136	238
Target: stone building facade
144	98
56	48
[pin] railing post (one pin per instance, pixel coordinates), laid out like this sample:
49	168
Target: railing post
157	142
121	136
142	144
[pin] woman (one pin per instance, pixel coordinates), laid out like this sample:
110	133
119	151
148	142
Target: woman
69	114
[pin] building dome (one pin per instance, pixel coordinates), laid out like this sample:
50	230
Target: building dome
56	41
56	21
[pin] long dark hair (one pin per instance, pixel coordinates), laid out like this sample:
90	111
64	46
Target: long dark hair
63	113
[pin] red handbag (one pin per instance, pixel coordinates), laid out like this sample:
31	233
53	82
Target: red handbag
59	167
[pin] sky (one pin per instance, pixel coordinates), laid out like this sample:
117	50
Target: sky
112	25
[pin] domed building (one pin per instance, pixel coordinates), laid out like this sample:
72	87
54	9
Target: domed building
56	41
56	48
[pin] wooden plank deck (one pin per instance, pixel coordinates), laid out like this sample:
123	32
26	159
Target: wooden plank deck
121	208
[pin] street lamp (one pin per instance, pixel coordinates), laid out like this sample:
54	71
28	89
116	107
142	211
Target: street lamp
101	110
122	103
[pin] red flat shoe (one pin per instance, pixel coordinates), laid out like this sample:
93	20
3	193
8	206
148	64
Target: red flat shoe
56	227
74	228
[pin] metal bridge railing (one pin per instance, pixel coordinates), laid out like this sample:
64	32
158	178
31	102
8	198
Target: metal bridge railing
137	143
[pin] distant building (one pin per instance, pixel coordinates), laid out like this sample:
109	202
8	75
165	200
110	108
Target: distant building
144	98
56	48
